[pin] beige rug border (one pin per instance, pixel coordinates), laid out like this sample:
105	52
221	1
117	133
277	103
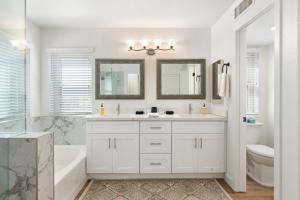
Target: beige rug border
226	193
85	191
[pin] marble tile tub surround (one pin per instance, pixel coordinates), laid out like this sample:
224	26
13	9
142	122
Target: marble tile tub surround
68	130
164	189
29	167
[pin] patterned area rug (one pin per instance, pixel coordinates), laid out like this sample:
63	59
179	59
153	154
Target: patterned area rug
178	189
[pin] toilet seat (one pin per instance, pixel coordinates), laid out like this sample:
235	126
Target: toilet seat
262	150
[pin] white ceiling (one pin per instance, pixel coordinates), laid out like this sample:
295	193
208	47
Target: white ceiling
259	32
126	13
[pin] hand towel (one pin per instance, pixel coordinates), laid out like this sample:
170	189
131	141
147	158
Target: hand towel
222	85
227	83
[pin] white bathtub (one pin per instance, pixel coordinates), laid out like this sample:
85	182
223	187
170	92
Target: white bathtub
69	170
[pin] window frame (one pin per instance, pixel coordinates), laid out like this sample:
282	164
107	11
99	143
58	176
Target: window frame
255	88
71	51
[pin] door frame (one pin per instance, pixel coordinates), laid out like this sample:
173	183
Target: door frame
277	102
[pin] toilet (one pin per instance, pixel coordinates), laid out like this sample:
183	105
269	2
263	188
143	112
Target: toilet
260	164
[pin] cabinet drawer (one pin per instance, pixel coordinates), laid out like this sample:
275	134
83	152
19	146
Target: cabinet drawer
197	127
155	143
155	126
155	163
128	127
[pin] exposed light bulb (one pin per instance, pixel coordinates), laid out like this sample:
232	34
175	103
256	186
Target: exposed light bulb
273	28
15	43
130	43
157	43
19	44
144	43
172	42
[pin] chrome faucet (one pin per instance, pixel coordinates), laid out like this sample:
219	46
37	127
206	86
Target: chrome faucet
190	108
119	109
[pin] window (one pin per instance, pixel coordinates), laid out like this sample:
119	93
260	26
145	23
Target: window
71	83
12	80
253	83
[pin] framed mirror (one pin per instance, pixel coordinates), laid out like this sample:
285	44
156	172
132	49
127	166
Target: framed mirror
119	79
181	79
216	75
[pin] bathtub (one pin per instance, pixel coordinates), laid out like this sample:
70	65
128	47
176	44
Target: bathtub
69	170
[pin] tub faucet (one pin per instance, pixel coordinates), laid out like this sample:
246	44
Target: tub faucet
118	109
190	108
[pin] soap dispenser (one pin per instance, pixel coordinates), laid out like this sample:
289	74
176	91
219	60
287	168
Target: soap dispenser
101	110
204	109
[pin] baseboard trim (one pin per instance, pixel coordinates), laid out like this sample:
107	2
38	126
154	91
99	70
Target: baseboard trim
156	176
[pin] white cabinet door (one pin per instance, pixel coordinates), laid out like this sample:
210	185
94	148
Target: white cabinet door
211	153
185	153
125	153
99	153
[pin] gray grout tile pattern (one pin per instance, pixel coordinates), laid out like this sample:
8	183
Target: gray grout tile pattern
156	189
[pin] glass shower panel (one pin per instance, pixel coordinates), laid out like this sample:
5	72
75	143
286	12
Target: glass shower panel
12	81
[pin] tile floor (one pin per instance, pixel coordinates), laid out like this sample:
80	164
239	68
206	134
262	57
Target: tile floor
179	189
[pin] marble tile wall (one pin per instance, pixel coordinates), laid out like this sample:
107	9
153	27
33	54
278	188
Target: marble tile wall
3	163
30	167
12	126
68	130
45	167
22	169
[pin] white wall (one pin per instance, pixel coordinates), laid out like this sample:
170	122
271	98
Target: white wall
33	64
111	43
223	46
290	99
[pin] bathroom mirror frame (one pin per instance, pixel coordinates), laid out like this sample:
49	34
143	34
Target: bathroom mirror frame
215	97
160	62
98	63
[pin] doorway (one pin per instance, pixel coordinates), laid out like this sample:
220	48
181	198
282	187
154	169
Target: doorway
256	97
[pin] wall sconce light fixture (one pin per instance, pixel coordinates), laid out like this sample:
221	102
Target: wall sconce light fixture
150	50
20	45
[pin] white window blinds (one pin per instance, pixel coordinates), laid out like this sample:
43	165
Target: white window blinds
12	80
71	83
253	83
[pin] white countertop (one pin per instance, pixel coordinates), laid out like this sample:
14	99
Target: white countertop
179	117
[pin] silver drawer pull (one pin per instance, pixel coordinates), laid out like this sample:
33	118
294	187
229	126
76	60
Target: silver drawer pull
155	127
155	143
155	164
